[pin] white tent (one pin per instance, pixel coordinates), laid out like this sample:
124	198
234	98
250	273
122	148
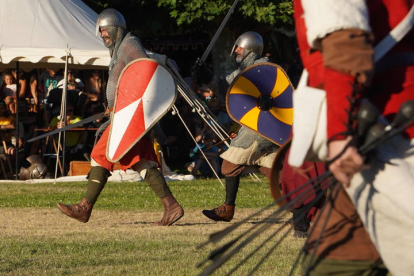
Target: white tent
40	33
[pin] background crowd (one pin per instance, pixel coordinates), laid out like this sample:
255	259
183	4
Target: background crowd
37	99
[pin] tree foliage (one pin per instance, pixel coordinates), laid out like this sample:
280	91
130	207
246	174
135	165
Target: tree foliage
200	19
262	11
187	12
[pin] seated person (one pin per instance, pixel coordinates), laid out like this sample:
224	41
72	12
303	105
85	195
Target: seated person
8	91
94	86
75	140
28	119
8	138
76	82
211	152
22	82
204	93
222	117
74	96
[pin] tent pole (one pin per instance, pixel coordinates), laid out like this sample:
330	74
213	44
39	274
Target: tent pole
63	118
17	119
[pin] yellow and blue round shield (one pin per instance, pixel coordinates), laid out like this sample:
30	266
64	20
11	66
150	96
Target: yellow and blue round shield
260	98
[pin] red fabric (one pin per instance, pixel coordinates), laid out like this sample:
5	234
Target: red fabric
340	87
293	178
312	61
391	89
134	82
141	150
398	81
388	91
388	13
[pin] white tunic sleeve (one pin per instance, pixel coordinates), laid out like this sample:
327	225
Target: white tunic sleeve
323	17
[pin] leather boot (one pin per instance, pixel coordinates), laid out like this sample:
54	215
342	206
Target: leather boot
81	211
222	213
172	211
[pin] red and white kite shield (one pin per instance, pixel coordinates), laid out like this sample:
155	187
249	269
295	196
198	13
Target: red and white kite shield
145	92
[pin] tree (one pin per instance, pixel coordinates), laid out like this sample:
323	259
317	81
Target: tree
262	11
194	18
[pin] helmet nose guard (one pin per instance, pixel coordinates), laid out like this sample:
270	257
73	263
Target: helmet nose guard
110	17
250	41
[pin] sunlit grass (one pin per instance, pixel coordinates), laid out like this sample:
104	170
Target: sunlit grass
36	239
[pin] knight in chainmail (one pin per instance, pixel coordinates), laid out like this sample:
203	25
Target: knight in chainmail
248	148
124	47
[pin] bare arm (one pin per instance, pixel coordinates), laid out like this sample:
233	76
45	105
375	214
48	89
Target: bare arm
23	86
33	90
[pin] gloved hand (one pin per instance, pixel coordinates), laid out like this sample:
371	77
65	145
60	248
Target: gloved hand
201	73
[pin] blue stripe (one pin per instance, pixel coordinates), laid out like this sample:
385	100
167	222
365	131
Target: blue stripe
240	104
264	77
272	128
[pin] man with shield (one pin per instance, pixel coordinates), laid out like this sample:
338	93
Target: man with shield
139	155
248	148
368	218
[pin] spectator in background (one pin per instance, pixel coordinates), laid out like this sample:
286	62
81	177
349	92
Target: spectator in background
33	89
22	83
211	152
222	117
8	138
75	140
49	80
8	91
94	86
72	79
92	108
204	93
73	95
28	120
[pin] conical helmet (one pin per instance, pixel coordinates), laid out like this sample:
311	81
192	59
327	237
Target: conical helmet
250	41
110	17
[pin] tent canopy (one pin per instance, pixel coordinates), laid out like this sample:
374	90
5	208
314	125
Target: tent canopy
39	33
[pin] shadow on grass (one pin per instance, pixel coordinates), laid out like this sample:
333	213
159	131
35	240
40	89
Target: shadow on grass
175	224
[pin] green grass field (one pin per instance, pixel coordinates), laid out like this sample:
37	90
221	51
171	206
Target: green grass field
36	239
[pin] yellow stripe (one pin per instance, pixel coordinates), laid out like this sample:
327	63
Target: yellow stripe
245	86
284	115
282	82
251	118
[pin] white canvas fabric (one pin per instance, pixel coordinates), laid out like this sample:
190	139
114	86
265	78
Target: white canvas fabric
39	33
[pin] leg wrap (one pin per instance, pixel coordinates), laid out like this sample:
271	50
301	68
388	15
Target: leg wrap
97	178
301	221
232	186
156	182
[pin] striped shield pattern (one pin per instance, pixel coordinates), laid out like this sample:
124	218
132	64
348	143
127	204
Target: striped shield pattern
260	98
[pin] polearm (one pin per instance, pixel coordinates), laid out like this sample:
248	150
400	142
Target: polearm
68	127
218	32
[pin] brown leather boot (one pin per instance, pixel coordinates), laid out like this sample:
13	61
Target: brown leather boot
172	211
222	213
81	211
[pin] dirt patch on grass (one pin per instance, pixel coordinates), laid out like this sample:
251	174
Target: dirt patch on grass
48	222
125	242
